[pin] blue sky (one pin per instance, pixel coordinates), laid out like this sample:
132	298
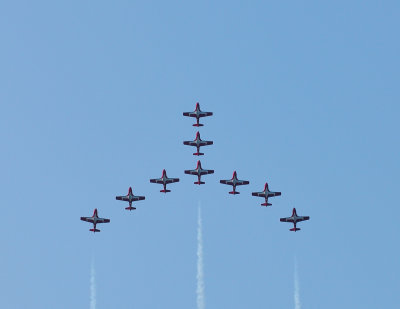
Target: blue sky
305	96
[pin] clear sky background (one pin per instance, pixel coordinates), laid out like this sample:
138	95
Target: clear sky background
305	95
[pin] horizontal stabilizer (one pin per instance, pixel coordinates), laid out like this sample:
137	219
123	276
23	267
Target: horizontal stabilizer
130	208
295	229
94	230
199	182
198	154
266	204
165	191
234	192
198	125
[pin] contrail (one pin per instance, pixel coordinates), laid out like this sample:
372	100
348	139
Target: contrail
92	286
297	304
200	274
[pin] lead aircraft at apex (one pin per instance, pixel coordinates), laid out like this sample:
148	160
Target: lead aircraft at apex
234	181
294	219
197	114
266	194
199	171
95	220
164	180
130	197
198	142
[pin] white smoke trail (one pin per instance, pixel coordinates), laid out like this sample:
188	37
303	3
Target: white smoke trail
92	286
200	274
297	304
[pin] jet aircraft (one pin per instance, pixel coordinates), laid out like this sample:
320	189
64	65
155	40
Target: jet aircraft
197	114
294	219
95	220
266	194
198	142
234	181
130	198
199	171
164	180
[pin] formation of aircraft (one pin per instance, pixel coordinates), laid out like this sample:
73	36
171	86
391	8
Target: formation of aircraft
234	181
198	171
197	114
130	197
164	180
95	220
295	219
198	142
266	194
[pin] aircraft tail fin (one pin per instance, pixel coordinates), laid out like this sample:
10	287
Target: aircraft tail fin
198	125
94	230
199	182
266	204
165	191
130	208
198	154
234	192
294	229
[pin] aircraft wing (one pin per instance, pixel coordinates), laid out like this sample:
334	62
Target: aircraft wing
303	218
242	182
138	198
190	114
259	194
157	180
103	220
206	172
171	180
194	114
288	219
122	198
227	182
190	143
205	114
206	143
87	219
191	172
272	194
194	143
